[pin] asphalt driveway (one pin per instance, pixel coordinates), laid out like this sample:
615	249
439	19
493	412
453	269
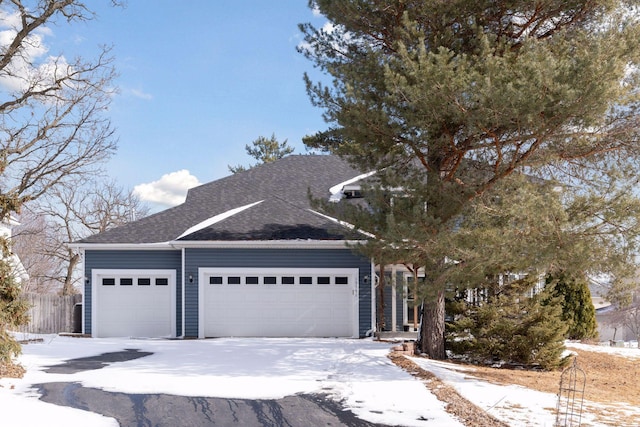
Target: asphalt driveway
169	410
100	382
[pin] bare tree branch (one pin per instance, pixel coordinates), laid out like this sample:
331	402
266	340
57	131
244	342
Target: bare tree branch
68	213
53	122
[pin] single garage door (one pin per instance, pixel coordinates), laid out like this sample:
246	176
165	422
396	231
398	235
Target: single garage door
271	302
133	303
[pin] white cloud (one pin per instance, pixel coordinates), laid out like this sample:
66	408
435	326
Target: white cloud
169	190
9	20
31	66
141	94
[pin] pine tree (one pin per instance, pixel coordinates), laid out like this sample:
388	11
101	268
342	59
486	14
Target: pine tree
265	150
578	311
447	99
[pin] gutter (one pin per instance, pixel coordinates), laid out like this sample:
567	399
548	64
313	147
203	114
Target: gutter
259	244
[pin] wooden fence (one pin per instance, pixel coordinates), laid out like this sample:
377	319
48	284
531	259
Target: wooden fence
51	314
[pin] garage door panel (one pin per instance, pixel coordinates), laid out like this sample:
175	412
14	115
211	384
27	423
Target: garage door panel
316	309
137	308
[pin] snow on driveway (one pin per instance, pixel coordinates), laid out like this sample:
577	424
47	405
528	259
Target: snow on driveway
354	372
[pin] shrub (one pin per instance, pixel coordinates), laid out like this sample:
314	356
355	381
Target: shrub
510	328
13	310
577	307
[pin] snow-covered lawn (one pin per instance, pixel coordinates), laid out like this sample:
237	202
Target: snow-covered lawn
354	372
515	405
520	406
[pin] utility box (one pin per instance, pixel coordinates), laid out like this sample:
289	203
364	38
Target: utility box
77	318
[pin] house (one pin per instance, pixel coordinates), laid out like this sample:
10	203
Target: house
20	273
245	255
615	324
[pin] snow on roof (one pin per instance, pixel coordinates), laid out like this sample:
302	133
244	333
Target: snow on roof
336	190
342	223
217	218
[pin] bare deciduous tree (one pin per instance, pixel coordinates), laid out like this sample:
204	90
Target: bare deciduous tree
53	124
30	240
69	213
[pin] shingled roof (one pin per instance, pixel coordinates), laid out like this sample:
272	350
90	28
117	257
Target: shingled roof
266	202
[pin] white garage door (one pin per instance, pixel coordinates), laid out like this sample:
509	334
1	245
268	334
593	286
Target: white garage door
270	302
133	303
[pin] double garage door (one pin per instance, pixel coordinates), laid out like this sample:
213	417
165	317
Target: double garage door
271	302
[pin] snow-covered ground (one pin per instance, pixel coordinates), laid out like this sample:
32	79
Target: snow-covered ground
514	404
354	372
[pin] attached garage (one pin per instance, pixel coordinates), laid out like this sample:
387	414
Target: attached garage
278	302
134	303
244	256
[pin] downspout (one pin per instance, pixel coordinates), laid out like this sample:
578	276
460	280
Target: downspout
394	308
84	289
374	326
182	322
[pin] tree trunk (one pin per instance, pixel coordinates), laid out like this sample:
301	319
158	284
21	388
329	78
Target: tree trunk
431	339
67	288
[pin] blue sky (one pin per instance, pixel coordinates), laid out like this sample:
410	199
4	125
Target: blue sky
198	80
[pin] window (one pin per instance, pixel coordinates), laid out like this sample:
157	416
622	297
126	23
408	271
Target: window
108	281
144	281
281	276
162	281
352	191
126	281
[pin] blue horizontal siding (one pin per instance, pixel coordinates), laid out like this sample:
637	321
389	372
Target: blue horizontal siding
131	259
196	258
293	258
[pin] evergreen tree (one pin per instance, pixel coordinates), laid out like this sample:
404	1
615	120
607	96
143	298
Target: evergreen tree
447	99
13	309
578	311
509	238
264	150
511	327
